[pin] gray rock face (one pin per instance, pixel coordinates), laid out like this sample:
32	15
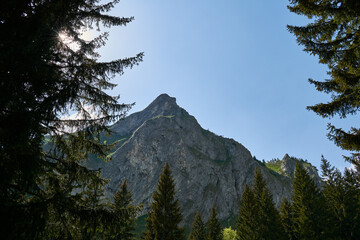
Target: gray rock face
288	165
208	169
163	105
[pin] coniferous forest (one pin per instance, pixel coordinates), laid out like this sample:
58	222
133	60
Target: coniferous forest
51	194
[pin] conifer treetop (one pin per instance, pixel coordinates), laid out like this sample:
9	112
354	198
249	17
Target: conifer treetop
198	231
165	215
215	231
333	35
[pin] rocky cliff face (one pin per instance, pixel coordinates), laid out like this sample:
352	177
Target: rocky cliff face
288	165
208	169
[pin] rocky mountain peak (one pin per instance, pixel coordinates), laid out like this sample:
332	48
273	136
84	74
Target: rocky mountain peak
163	101
286	157
163	105
288	166
208	169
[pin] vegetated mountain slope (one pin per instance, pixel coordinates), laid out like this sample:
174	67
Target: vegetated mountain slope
208	169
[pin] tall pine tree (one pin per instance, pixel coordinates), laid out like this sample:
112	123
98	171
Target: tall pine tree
269	218
125	214
247	225
198	230
286	216
215	231
258	216
342	202
308	205
334	37
165	214
42	193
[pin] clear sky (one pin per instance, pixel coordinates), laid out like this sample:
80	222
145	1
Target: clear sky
233	66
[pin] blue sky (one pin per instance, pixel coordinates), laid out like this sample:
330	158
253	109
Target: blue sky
231	64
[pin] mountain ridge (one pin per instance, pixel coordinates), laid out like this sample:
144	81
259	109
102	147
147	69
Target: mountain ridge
208	168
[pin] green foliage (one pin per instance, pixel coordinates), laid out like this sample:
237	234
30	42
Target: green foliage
269	219
162	116
215	232
286	216
334	37
247	225
51	195
308	206
124	226
275	166
258	217
229	234
198	231
342	202
165	214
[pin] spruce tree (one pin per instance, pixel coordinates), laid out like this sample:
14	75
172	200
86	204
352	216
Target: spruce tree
215	231
333	35
342	202
271	226
247	225
308	205
94	212
258	216
269	222
352	204
286	216
125	214
42	194
198	230
165	215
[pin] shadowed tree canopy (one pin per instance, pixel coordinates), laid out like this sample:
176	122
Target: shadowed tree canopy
258	216
247	225
215	230
198	230
286	216
309	216
124	226
42	76
334	36
342	196
165	213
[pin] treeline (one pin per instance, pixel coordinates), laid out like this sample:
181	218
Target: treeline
332	212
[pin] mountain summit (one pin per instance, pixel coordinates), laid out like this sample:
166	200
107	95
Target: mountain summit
163	105
208	169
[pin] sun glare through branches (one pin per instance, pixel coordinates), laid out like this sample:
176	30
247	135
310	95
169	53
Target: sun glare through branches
71	43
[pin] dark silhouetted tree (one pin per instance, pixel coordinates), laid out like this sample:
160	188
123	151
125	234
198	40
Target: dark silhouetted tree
286	216
334	37
165	215
258	216
198	230
269	222
125	214
215	231
42	76
342	202
308	205
247	225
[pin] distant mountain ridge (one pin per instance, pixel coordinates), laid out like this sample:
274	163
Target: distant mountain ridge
208	169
